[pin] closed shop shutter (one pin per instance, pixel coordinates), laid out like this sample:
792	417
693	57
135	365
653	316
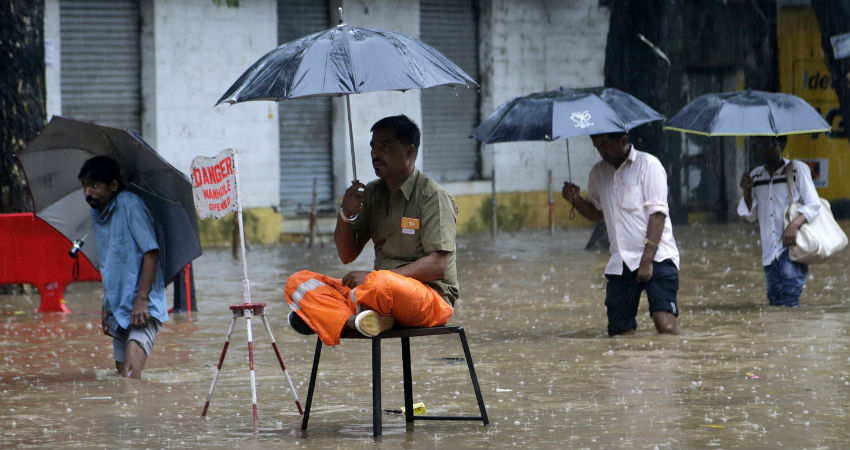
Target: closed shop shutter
305	123
449	114
101	62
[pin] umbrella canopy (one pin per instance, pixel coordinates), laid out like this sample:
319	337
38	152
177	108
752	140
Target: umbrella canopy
748	113
563	114
341	61
345	60
52	161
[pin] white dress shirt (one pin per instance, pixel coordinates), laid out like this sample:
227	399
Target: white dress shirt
627	196
770	198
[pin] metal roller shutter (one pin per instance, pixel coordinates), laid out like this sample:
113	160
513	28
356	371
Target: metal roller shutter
305	123
449	114
101	62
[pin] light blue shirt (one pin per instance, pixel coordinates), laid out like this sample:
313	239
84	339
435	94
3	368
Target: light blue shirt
124	232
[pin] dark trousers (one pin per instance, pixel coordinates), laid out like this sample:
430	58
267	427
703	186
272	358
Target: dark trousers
622	295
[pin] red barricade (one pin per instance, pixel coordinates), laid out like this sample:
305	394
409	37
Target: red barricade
32	251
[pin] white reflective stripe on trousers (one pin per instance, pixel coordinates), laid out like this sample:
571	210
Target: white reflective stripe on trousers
301	290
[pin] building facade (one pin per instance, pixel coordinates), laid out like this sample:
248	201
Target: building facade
158	66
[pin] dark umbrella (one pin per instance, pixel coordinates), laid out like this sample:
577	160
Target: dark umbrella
53	159
562	114
341	61
748	113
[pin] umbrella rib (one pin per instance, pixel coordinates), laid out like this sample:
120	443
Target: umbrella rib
305	44
350	61
771	118
714	120
500	121
153	192
401	48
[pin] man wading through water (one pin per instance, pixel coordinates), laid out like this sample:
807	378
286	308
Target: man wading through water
628	190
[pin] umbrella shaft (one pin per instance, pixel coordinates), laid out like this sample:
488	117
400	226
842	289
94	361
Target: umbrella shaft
351	136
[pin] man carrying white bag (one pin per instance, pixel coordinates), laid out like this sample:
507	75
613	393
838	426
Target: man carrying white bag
790	240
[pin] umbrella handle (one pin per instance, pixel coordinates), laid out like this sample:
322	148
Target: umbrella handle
351	136
570	175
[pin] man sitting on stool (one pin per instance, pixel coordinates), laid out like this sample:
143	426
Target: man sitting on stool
412	222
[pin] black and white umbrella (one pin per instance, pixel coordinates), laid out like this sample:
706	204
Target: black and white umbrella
52	161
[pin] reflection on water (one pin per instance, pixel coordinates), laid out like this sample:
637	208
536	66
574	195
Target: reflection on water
746	375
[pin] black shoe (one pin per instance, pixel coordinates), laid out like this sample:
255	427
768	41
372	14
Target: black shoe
298	324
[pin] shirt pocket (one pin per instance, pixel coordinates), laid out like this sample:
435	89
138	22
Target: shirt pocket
631	199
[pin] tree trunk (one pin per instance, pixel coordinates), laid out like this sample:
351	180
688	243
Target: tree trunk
633	66
22	93
834	18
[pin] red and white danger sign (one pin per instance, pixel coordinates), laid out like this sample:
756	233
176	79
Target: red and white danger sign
214	184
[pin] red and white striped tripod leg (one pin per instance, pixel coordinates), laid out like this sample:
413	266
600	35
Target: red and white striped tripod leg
218	368
283	366
248	315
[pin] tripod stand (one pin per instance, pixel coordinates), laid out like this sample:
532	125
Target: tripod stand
249	310
223	164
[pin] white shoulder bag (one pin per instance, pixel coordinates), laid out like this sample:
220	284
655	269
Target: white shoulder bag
816	240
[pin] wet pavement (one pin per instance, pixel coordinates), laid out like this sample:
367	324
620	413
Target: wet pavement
744	376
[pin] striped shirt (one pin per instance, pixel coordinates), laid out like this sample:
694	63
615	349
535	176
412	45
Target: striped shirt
770	198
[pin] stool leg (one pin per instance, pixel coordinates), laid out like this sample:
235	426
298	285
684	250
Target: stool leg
472	375
408	379
376	388
313	372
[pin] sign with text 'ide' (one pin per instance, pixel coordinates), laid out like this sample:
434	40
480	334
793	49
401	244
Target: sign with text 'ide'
214	184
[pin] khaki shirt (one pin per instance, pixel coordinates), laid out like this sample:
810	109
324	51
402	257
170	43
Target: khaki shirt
408	224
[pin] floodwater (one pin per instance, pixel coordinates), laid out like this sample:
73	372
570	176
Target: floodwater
745	375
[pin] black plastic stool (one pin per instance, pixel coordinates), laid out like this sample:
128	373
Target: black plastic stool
405	334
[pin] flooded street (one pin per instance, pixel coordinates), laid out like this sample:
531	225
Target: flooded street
744	376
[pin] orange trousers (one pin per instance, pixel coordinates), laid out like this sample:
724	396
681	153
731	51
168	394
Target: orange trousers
325	304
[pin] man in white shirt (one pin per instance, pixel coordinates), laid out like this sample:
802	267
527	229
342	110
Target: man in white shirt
765	199
628	190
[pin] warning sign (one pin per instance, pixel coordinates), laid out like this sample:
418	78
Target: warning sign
214	184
